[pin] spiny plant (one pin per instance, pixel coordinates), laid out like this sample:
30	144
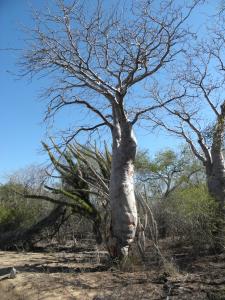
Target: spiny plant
83	173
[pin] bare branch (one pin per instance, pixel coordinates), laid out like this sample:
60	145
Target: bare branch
85	129
95	110
138	114
180	133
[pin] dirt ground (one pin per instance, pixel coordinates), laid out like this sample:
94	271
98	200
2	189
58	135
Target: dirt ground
84	275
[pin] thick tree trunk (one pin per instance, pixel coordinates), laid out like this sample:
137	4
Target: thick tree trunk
215	172
122	197
216	187
216	181
215	169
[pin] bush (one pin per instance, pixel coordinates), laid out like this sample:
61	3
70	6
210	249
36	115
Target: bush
190	215
17	212
10	218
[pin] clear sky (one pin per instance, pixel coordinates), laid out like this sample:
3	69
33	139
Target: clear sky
21	126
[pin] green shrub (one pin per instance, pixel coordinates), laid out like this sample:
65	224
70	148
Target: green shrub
17	212
4	214
10	219
13	218
191	215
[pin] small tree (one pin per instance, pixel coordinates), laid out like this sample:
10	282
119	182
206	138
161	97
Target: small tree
167	171
97	59
163	175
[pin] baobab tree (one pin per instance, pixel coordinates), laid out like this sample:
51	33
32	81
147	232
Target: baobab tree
199	117
98	57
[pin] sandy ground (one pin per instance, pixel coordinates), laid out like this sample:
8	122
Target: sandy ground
60	275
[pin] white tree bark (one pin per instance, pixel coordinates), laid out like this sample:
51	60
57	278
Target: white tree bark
122	197
215	169
215	175
216	182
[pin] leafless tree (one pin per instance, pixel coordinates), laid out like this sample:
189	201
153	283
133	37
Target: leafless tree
199	117
97	57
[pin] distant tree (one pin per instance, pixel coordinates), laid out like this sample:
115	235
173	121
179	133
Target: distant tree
31	176
97	59
167	171
158	178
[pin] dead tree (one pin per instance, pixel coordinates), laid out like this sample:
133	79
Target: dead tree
97	58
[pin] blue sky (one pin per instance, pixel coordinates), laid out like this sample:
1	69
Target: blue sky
21	113
21	123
